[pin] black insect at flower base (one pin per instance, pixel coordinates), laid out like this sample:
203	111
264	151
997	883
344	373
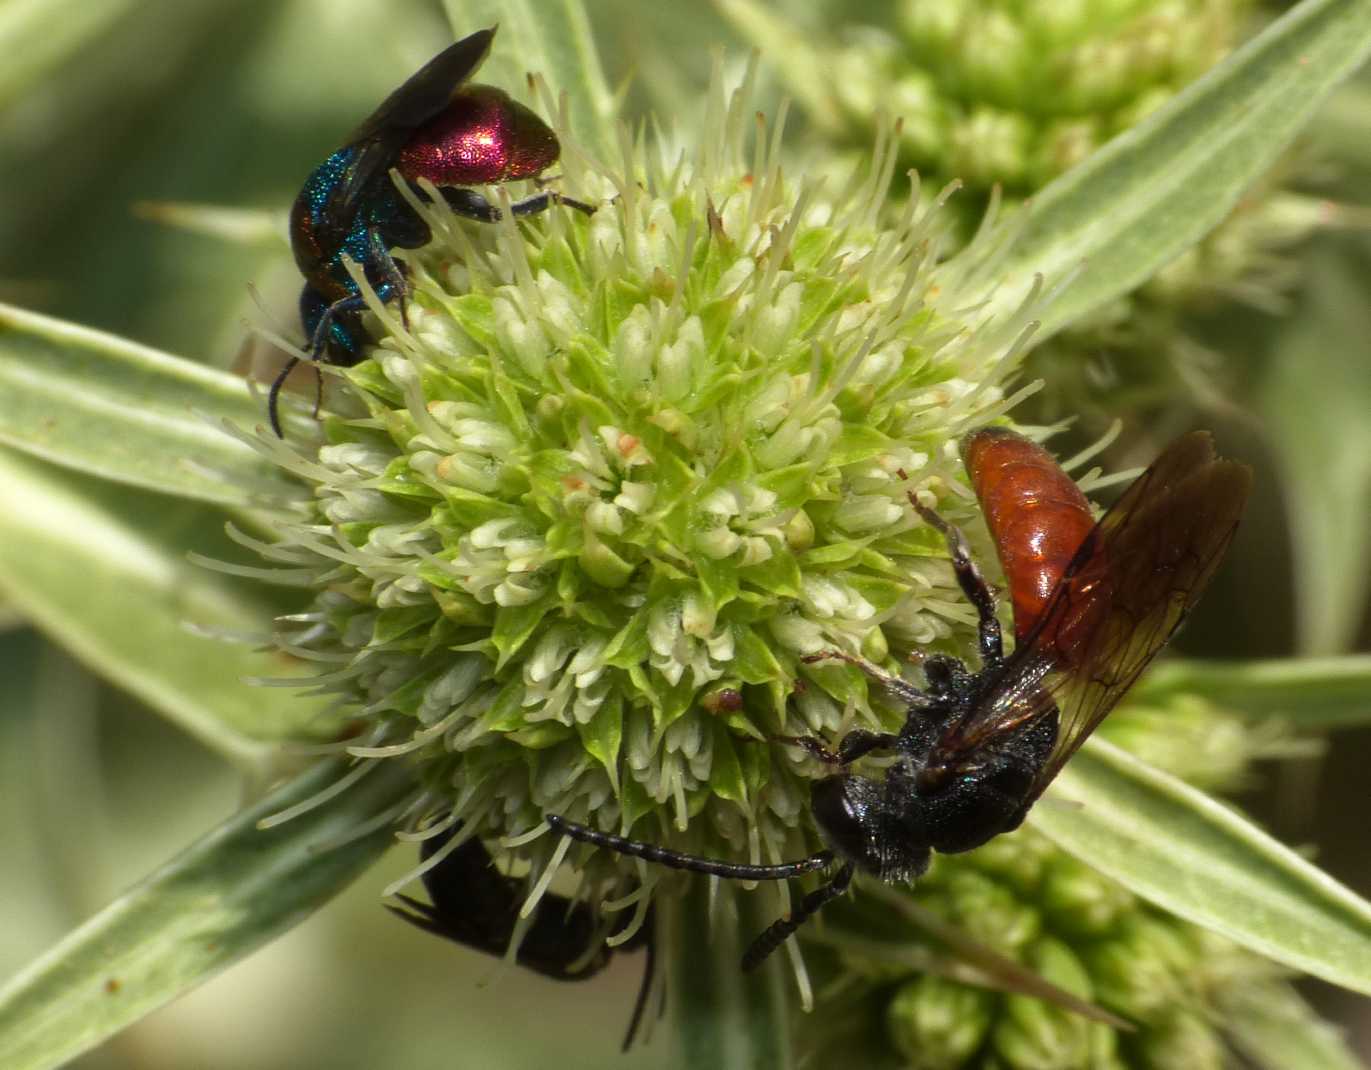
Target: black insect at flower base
434	127
978	748
473	904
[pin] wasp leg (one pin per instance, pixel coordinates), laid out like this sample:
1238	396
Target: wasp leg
854	745
900	688
320	320
972	583
779	931
470	204
395	284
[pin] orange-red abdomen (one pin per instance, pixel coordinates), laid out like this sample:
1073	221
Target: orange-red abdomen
1038	518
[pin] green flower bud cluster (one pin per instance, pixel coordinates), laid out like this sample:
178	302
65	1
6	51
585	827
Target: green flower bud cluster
1010	93
1006	95
587	507
1052	914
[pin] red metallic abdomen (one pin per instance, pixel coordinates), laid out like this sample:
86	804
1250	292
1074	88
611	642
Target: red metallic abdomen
482	136
1038	519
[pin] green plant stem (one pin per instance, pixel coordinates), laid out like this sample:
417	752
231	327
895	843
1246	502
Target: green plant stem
720	1017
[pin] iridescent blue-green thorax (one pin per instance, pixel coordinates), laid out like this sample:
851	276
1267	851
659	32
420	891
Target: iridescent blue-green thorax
382	220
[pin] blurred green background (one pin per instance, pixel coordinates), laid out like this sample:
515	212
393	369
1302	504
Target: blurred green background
232	102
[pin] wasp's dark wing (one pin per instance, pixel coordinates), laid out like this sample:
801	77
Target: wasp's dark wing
426	92
380	138
1124	594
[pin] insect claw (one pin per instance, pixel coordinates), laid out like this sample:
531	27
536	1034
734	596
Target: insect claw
931	517
814	746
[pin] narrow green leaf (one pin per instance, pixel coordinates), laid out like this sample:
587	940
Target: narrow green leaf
1309	692
1339	130
114	409
224	897
104	571
1275	1029
1158	188
1313	405
1204	862
551	38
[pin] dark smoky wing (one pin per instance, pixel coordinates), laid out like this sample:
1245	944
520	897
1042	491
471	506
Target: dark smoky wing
1157	548
427	92
1136	576
1016	698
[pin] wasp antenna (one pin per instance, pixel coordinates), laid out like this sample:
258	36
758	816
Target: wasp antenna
780	930
274	395
652	852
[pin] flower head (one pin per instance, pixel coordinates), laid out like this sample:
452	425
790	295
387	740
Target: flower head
1001	93
592	500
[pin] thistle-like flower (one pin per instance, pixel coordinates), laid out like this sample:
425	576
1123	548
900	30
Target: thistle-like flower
580	517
